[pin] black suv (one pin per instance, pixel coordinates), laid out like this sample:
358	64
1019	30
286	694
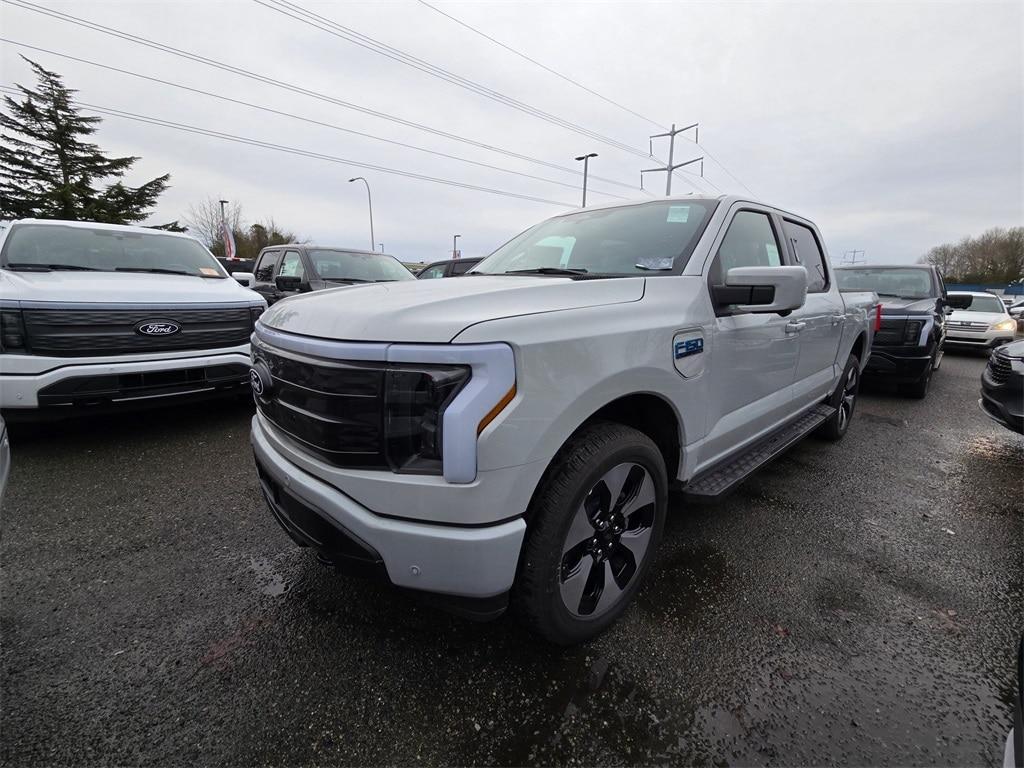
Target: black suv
1002	386
284	270
908	345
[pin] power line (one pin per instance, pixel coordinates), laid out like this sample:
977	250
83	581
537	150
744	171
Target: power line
297	12
546	68
301	152
298	117
74	20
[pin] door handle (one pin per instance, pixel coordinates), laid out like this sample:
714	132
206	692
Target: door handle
795	326
837	319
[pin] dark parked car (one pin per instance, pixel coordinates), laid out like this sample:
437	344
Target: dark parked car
284	270
908	347
449	268
1002	386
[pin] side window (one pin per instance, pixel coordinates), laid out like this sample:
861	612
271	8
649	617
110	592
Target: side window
808	254
942	284
265	266
432	272
291	265
749	242
461	267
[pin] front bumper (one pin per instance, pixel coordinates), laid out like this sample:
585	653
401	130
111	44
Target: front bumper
977	339
898	363
462	561
70	382
1004	402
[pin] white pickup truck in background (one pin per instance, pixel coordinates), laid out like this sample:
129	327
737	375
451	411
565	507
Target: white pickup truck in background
97	315
513	434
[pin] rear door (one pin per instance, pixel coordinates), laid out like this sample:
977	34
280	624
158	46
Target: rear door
753	357
265	270
818	324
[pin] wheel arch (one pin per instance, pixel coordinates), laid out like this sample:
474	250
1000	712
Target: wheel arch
647	412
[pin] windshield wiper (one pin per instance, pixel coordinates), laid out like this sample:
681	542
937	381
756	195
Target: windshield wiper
27	267
346	280
546	271
156	271
652	269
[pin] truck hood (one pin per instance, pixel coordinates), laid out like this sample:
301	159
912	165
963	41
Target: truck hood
121	288
436	311
893	305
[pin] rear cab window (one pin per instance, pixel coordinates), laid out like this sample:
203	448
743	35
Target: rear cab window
808	254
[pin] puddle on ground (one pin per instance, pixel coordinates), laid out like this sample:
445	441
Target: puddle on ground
269	581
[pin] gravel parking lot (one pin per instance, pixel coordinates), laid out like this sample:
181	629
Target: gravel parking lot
855	603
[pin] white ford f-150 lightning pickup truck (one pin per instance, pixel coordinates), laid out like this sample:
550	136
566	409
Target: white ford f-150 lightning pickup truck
512	435
100	315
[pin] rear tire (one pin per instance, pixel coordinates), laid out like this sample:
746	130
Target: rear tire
844	400
594	526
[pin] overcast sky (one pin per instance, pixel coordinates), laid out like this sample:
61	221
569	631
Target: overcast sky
894	126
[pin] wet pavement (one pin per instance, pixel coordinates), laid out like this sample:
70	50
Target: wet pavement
851	604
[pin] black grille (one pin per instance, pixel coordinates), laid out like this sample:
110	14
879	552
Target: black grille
891	333
87	332
999	368
334	409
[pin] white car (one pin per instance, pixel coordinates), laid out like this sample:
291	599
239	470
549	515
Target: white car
513	433
979	320
95	315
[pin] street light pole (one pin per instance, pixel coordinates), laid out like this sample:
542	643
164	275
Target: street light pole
369	202
455	246
586	162
381	246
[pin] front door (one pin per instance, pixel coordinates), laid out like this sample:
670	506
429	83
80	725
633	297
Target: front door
753	357
819	320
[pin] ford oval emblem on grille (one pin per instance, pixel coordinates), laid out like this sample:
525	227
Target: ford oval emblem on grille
157	328
260	380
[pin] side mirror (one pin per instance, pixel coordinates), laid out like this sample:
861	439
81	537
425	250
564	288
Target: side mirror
948	310
291	283
762	290
248	279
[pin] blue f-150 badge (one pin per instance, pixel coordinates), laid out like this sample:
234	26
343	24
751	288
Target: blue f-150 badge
687	347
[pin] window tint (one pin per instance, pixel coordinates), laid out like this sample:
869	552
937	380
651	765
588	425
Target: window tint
461	267
431	273
291	265
265	267
750	242
808	254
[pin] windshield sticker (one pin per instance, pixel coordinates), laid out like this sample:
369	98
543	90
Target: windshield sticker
209	271
678	214
659	263
773	252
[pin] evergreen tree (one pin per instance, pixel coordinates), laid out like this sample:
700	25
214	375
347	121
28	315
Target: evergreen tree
48	168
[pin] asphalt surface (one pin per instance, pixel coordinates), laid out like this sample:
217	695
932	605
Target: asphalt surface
851	604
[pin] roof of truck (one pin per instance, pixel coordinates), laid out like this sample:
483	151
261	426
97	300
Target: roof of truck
100	225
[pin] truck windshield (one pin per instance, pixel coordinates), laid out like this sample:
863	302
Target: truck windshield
362	267
909	283
645	239
55	247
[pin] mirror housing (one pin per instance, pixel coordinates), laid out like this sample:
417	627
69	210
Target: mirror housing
762	290
291	283
248	279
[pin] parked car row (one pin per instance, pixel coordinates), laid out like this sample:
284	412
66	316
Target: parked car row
505	440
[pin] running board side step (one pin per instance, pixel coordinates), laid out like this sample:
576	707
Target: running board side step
721	479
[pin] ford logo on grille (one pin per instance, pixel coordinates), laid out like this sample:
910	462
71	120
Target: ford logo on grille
157	328
260	380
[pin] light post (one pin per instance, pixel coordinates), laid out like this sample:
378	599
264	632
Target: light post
369	202
381	246
586	162
455	246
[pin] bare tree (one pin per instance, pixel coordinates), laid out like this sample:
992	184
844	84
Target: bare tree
995	256
203	219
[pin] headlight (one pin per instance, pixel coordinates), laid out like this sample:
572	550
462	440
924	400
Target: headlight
414	402
254	315
1004	325
912	331
12	331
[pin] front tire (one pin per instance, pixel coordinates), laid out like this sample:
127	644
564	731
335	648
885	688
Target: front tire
595	524
843	399
919	389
